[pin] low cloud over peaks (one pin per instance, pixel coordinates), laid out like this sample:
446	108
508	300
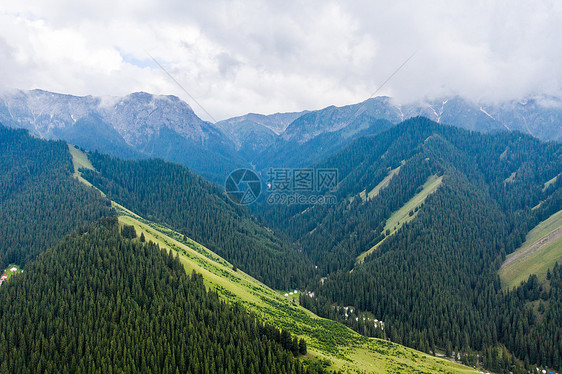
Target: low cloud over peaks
258	56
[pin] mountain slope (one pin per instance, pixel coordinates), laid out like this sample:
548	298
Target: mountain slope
133	126
170	194
433	281
540	251
540	117
92	132
253	133
92	301
143	125
98	303
344	349
329	343
315	135
40	201
420	148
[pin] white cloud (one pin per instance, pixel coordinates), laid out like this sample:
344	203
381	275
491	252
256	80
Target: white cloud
266	56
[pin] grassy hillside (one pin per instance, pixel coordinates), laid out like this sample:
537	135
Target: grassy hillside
542	248
402	215
384	183
170	194
329	343
327	340
550	182
80	161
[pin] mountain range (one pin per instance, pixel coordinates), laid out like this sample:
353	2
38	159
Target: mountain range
138	125
141	125
426	222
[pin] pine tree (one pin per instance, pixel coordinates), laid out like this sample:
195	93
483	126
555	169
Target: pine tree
302	347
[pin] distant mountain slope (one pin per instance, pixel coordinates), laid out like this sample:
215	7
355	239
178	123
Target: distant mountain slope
40	201
253	133
170	194
135	126
143	125
92	132
294	153
315	135
332	119
540	117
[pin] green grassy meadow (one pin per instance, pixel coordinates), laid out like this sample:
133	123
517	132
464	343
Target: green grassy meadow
384	183
550	182
542	248
80	161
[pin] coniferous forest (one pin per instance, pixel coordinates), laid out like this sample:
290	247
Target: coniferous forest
100	303
267	187
434	282
169	193
96	297
40	201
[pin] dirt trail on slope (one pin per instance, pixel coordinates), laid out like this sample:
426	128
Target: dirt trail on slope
535	247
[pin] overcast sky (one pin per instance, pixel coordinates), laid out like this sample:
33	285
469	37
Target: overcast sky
236	57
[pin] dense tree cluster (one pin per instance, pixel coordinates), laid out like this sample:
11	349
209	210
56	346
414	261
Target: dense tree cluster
169	193
40	201
435	281
535	336
97	303
128	232
363	322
